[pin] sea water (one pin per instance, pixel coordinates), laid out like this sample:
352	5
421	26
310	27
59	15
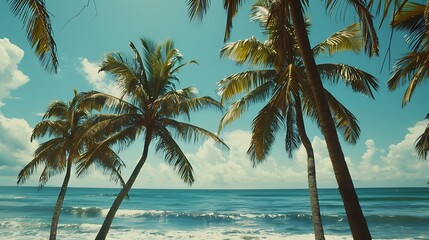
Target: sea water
391	213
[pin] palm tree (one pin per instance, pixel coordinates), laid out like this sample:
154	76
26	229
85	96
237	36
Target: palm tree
149	106
412	68
284	107
37	23
68	124
293	9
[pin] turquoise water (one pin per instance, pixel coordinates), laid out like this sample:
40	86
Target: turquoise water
392	213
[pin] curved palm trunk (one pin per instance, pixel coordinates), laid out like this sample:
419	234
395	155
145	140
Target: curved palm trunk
356	219
60	200
102	233
311	171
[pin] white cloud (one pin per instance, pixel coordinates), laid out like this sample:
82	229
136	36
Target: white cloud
98	79
216	168
11	77
15	147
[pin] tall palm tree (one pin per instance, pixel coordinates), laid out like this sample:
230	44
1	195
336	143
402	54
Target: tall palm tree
293	9
412	68
37	23
68	124
259	85
150	105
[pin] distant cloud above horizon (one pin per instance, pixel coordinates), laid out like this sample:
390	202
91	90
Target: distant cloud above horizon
15	146
97	79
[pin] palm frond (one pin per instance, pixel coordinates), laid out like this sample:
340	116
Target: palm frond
292	139
117	134
57	109
268	121
348	39
235	110
412	70
345	122
385	6
197	8
174	156
288	84
43	154
231	7
49	128
98	101
243	82
369	33
126	73
412	18
105	159
360	81
422	144
141	67
188	132
250	50
38	28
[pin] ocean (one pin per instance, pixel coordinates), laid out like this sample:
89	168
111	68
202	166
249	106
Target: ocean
392	213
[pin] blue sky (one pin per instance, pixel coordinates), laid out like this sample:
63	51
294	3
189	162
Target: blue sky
383	155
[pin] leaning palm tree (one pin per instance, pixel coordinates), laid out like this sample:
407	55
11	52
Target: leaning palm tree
412	68
286	94
68	123
293	10
37	23
150	105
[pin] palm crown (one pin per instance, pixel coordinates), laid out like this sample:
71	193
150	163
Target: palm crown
284	80
68	125
150	103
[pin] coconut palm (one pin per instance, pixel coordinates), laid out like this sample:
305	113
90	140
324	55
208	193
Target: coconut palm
37	23
68	124
412	68
293	9
150	105
284	108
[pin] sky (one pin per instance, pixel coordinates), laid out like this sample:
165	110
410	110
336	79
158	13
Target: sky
85	30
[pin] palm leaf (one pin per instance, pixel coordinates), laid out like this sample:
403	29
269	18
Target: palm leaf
268	121
235	110
239	83
369	33
249	50
38	28
189	132
174	156
412	70
360	81
348	39
48	128
412	19
422	144
292	139
345	122
197	8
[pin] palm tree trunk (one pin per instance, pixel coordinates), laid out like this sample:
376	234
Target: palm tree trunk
102	233
311	171
356	219
60	200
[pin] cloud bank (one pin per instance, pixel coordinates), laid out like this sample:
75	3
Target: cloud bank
15	147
